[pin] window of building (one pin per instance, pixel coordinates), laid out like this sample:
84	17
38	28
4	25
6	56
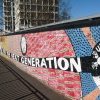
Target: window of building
39	23
5	18
45	8
56	2
9	19
46	16
39	1
9	8
33	1
27	1
5	3
8	13
21	7
6	27
51	9
21	1
22	15
29	22
28	15
39	15
56	9
45	2
51	16
8	4
39	8
56	17
51	2
34	23
21	22
33	7
10	27
33	15
28	7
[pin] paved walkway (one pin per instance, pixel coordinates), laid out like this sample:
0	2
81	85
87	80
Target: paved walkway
13	87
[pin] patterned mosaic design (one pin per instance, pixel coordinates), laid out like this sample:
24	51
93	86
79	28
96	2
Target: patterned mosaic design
63	43
54	44
82	47
79	42
95	33
49	44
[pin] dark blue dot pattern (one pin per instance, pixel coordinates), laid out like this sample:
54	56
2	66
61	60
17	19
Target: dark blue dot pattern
95	33
95	30
79	42
88	84
82	48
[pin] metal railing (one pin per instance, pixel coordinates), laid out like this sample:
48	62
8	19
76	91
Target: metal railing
67	24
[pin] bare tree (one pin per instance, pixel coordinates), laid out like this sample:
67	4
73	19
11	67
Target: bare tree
64	10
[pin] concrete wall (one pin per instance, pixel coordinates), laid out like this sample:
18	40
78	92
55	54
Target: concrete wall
69	43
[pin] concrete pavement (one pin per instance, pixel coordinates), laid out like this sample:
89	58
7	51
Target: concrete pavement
13	87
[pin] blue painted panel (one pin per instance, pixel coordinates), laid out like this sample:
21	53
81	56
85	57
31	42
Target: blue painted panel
82	48
95	33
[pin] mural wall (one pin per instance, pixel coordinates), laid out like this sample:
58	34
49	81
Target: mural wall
65	60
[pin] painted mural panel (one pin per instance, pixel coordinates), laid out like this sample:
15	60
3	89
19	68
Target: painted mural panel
64	60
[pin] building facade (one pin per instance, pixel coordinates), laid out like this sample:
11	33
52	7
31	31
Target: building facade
9	15
29	13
